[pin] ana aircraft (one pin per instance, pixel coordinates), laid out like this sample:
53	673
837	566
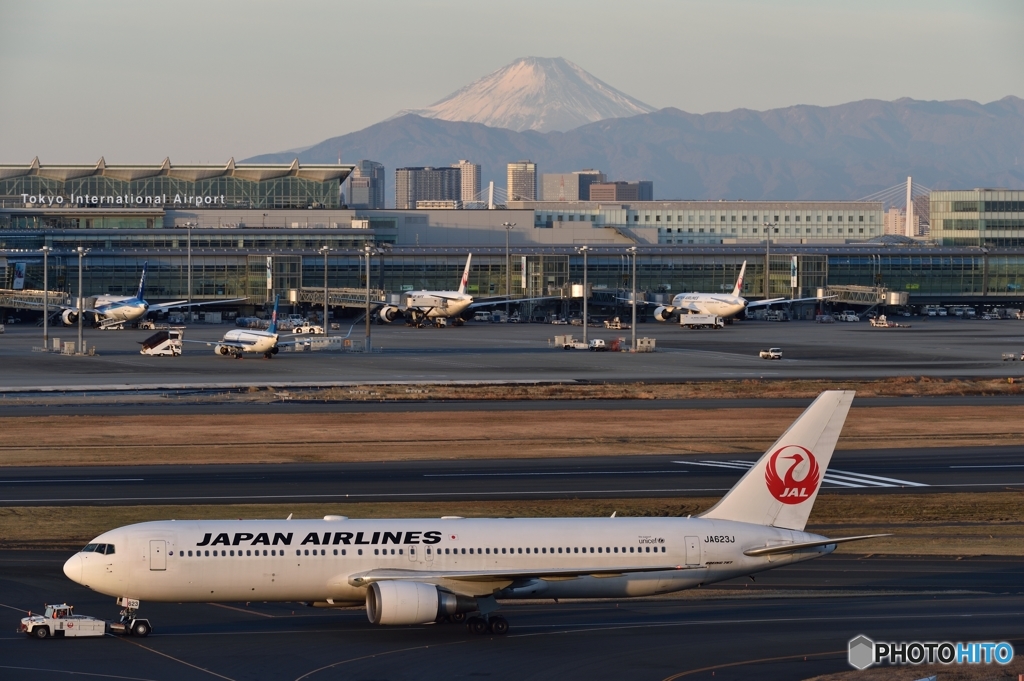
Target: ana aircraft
113	312
725	306
239	342
418	571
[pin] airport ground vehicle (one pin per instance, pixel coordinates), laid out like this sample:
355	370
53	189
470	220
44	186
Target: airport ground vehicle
163	343
60	621
771	353
307	328
701	321
847	317
598	345
616	324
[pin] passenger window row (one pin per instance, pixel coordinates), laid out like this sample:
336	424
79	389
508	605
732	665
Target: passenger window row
109	549
572	549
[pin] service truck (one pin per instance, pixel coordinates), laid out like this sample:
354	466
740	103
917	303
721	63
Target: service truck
771	353
164	343
701	321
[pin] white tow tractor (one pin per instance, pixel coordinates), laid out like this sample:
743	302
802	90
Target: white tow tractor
311	329
60	621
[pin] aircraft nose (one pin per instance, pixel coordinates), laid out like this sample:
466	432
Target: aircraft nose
73	568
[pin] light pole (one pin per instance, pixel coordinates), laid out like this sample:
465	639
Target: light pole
369	250
325	250
189	226
46	298
81	299
768	227
632	326
508	266
584	250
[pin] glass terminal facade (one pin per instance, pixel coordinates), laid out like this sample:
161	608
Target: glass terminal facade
254	186
989	218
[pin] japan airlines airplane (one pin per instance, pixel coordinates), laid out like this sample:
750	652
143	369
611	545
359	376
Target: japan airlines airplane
113	312
418	307
417	571
725	306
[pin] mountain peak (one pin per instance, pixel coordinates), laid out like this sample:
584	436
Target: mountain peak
536	93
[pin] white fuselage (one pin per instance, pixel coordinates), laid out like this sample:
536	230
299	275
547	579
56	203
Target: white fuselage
723	305
322	560
248	340
435	304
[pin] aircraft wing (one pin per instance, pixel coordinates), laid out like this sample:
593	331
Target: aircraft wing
791	548
164	307
430	576
491	302
773	301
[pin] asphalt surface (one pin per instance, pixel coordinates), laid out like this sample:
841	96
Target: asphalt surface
792	623
922	470
524	352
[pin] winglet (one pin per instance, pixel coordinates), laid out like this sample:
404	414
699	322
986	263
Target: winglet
273	317
465	275
738	289
779	491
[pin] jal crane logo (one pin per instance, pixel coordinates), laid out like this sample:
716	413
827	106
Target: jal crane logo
784	484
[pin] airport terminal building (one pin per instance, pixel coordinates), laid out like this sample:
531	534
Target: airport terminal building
230	225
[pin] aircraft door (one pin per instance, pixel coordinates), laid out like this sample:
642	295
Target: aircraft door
693	550
157	554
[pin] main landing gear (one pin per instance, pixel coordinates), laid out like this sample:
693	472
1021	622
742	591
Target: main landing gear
481	624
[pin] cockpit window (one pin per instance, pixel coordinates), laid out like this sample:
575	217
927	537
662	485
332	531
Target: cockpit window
89	548
110	549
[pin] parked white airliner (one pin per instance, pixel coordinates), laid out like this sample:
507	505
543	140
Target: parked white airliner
416	571
113	312
725	306
418	307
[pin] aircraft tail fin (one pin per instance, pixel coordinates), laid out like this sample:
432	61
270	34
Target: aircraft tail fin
738	289
142	282
465	275
273	317
780	489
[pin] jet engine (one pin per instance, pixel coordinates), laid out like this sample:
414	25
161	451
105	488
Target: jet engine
222	350
389	313
69	317
663	314
412	603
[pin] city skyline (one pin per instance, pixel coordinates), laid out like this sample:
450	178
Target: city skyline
203	83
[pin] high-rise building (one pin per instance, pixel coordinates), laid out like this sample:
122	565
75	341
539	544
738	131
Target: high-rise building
522	181
470	180
641	190
426	184
574	186
366	185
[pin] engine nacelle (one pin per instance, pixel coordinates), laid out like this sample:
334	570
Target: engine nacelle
663	314
412	603
389	313
222	350
69	317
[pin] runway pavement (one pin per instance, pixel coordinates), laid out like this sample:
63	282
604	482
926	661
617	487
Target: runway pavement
922	470
793	623
523	352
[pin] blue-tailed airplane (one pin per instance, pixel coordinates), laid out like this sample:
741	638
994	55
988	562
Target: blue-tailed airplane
113	312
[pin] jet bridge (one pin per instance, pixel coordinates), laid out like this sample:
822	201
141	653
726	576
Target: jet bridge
341	297
866	295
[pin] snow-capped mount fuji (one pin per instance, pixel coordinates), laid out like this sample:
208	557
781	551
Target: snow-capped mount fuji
535	93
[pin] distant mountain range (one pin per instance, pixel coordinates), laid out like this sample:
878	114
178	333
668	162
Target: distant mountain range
797	153
535	93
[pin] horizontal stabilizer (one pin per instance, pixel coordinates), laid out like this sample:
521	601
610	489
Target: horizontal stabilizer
791	548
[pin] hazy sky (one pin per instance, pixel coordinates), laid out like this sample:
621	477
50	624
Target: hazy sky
204	81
